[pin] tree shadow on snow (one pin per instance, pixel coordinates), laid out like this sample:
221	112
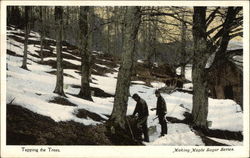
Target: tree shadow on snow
205	133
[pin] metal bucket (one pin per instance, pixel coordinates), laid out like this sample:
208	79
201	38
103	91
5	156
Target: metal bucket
152	130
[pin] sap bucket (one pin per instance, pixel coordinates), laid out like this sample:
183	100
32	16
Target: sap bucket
152	130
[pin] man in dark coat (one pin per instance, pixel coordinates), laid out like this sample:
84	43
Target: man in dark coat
161	110
142	110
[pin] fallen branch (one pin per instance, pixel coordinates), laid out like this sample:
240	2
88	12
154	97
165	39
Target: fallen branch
11	101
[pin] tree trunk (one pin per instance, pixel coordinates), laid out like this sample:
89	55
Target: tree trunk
25	53
122	29
116	41
59	74
42	31
132	22
108	31
144	37
91	36
151	40
67	15
200	94
154	39
199	75
85	92
183	46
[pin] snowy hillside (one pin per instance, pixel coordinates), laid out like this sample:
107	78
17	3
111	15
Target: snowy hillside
33	90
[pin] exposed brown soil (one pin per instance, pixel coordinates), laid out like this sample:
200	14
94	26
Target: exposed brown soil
21	34
9	52
69	46
46	53
108	63
68	56
97	91
98	70
148	74
129	136
18	39
83	113
103	59
62	101
47	42
28	128
53	72
65	64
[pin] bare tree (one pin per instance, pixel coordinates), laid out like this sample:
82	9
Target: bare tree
204	46
59	29
132	22
108	50
27	31
85	54
42	30
183	46
201	54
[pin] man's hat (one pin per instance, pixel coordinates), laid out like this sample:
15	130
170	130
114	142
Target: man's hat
157	91
135	96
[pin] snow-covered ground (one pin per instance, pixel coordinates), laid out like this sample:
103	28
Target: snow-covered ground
34	89
178	134
232	45
188	72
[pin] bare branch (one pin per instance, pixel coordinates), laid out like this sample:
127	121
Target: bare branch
11	101
238	9
212	16
166	14
214	29
234	52
236	30
160	21
236	35
231	26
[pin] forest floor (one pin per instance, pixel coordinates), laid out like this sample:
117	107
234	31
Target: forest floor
35	115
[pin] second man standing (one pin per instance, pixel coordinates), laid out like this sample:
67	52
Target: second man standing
161	110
